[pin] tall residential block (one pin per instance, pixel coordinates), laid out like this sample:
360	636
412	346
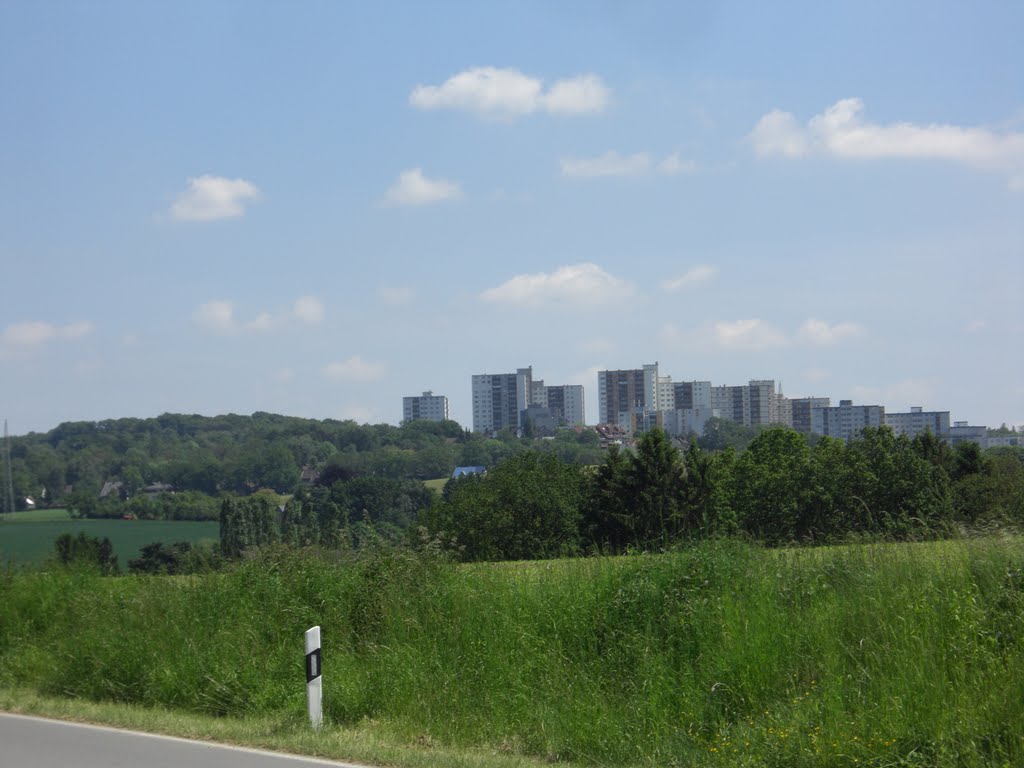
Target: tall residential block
847	420
917	421
425	407
800	411
517	400
625	392
566	402
499	400
753	403
692	395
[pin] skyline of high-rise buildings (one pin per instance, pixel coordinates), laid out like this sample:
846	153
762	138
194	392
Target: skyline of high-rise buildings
637	399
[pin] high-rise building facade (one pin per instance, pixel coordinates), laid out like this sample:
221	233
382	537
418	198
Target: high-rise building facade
692	394
751	404
425	407
847	420
800	411
510	400
566	402
499	400
917	421
624	392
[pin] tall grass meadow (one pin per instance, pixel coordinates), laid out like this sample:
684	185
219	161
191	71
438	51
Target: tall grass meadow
720	654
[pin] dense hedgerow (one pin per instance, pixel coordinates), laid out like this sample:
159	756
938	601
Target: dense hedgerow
719	654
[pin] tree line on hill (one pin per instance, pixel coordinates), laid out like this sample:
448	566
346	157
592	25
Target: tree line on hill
780	490
204	458
534	504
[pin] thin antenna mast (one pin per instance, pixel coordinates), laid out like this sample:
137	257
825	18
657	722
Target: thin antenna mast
9	496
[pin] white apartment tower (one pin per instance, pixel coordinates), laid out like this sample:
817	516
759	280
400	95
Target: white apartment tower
847	420
425	407
506	400
751	404
917	421
499	400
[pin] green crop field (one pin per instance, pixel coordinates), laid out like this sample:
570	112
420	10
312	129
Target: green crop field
35	516
30	541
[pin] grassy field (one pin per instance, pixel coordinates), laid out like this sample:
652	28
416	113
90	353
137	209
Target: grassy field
28	540
721	655
436	485
35	516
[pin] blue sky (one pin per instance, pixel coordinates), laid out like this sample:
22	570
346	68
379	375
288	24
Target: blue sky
317	208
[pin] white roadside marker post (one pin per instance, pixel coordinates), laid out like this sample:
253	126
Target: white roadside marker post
314	681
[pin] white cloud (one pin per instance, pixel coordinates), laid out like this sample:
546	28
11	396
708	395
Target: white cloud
818	332
608	164
576	285
35	332
413	188
396	294
216	316
355	369
673	165
778	133
754	334
213	197
219	316
976	325
308	310
577	96
842	132
748	334
508	93
702	273
817	374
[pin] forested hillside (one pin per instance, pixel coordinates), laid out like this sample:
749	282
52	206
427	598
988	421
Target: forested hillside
69	465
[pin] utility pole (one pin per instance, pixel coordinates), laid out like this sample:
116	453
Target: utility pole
9	496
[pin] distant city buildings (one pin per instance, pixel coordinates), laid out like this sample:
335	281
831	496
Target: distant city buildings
800	410
749	404
847	420
518	402
425	407
634	400
917	421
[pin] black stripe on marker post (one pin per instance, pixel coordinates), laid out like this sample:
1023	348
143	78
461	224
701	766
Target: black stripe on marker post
313	665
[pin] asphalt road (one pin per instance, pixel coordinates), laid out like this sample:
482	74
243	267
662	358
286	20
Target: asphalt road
32	742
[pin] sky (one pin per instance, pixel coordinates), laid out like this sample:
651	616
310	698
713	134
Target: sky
317	208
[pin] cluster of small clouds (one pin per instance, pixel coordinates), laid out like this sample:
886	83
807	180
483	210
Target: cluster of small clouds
757	334
219	316
613	164
34	333
506	93
582	285
841	131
